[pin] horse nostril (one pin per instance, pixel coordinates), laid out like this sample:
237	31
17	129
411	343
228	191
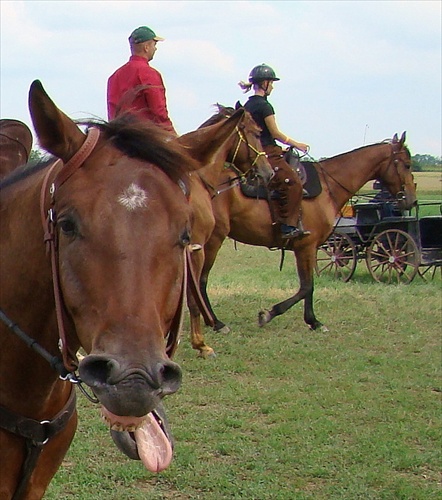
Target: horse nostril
168	377
97	370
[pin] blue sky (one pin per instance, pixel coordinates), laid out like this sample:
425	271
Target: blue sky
352	72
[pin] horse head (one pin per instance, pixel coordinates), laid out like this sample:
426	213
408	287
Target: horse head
397	175
121	218
244	152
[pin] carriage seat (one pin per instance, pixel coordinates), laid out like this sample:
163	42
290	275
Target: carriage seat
431	231
368	213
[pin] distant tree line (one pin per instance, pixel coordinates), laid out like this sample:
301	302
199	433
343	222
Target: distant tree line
422	163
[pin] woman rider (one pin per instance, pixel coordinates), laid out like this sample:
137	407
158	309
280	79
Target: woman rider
285	204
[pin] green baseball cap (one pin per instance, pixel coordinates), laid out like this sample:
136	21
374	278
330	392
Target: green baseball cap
143	34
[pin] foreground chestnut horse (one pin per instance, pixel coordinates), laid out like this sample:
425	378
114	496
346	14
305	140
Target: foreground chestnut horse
241	153
248	220
15	145
115	214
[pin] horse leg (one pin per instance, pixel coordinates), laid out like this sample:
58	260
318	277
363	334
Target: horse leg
196	334
305	264
219	326
211	250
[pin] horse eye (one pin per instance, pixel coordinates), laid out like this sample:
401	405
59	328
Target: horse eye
68	227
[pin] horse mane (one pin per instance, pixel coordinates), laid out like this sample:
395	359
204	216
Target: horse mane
136	139
149	142
223	112
367	146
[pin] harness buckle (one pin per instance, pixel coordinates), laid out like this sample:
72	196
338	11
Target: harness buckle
44	423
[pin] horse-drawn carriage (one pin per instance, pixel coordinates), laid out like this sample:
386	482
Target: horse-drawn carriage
396	245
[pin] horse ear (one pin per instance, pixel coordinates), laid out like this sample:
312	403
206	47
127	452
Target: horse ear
56	132
395	139
238	105
402	140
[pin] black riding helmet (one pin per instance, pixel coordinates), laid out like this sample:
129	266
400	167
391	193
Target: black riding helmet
261	73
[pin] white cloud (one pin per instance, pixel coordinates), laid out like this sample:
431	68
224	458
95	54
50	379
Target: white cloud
343	64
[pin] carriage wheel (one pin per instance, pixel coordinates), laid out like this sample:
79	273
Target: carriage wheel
393	257
337	257
428	273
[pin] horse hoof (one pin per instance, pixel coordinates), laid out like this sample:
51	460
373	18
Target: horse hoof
264	317
207	353
319	327
224	330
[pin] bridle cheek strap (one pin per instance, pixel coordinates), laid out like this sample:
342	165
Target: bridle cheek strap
49	222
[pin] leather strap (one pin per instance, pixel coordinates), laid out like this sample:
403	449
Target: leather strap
37	434
50	234
38	431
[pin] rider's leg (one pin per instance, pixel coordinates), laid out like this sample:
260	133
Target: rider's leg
287	199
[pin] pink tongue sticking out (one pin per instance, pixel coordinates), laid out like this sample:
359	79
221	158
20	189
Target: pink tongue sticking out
153	446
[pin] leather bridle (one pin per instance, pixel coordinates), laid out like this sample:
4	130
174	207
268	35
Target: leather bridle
243	139
49	222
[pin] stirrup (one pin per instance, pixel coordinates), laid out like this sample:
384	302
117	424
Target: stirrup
289	232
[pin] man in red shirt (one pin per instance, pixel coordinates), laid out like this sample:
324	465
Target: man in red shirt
138	88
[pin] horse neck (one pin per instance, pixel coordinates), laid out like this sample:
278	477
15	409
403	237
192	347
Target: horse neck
210	173
345	174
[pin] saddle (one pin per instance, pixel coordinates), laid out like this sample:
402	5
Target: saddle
306	171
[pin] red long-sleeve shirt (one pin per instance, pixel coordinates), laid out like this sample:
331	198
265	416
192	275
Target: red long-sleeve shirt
138	88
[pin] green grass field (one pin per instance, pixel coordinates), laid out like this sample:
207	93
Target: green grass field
285	413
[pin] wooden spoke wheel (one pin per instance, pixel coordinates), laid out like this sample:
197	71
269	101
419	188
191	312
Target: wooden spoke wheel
393	257
428	273
337	257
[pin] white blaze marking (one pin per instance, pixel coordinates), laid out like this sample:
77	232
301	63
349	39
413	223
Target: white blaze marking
133	197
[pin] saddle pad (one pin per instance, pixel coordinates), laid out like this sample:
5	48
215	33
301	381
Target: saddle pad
312	184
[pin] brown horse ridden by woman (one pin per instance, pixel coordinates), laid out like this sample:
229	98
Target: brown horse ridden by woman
248	220
241	152
15	145
115	215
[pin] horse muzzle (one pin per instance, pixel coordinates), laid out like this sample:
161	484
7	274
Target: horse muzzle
126	391
406	200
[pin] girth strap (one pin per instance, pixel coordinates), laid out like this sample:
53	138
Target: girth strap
37	434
